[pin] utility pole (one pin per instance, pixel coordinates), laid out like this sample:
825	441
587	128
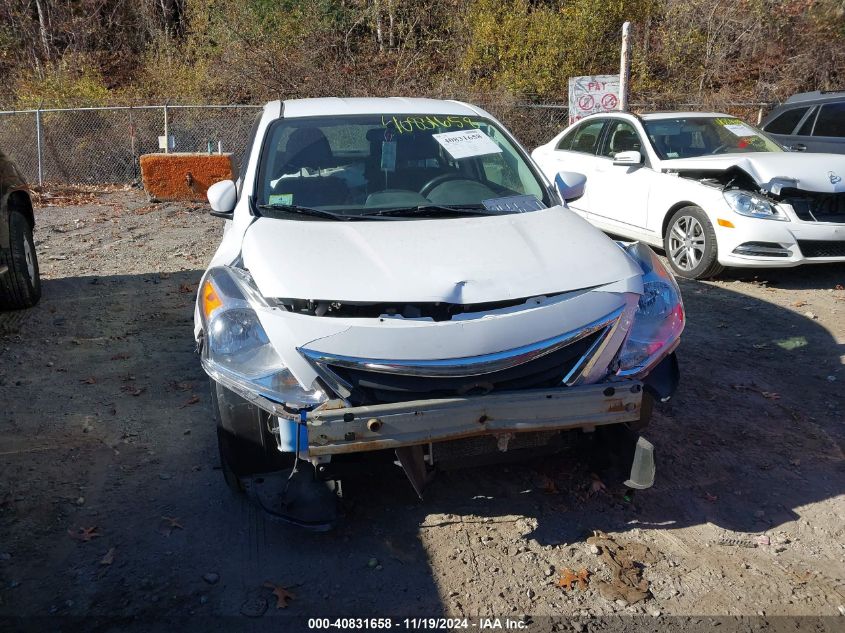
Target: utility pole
625	66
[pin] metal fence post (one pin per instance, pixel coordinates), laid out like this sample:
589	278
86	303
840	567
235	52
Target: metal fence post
38	145
166	132
132	145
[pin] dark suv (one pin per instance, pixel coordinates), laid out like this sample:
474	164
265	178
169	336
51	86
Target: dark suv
20	285
810	121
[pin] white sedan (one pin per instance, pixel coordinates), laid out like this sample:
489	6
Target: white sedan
710	190
397	274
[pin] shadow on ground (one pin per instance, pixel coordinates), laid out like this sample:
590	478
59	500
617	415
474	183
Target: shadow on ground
106	424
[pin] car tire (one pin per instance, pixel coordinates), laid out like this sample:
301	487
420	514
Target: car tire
20	285
246	445
690	244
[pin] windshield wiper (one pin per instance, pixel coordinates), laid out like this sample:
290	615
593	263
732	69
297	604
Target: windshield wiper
423	209
295	208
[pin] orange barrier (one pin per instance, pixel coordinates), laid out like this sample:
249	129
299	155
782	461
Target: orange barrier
169	177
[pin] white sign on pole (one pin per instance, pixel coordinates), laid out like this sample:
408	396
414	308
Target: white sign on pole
591	94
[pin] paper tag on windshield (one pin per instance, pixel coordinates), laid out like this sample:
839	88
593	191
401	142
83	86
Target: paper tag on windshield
388	155
280	198
740	129
463	144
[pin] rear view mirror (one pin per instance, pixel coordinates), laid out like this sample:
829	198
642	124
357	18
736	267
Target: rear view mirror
222	197
628	158
570	185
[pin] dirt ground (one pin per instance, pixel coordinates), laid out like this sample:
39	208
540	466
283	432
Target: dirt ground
112	504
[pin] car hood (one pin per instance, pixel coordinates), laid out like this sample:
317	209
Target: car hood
811	172
456	260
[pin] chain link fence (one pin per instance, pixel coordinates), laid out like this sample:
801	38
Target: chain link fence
103	145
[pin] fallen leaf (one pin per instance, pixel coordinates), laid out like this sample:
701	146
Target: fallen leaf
186	288
568	578
597	486
181	386
84	534
283	596
798	304
133	391
89	381
710	498
770	395
122	356
192	400
172	522
108	559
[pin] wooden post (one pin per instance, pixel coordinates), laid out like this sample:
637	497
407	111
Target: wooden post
625	66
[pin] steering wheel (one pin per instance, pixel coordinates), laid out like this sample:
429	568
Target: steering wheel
435	182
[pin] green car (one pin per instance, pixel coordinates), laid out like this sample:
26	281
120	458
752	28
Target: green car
20	285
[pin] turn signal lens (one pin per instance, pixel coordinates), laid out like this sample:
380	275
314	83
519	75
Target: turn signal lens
726	223
210	300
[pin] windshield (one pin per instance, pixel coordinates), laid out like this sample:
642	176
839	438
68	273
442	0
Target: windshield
385	165
704	136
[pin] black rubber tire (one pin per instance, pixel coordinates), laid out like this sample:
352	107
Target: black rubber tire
709	265
18	289
246	445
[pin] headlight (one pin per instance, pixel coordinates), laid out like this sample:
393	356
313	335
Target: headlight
753	206
237	352
659	319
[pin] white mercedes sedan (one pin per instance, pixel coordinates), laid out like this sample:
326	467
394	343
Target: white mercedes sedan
709	189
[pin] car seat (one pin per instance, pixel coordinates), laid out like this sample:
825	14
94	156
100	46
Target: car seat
585	143
309	149
624	141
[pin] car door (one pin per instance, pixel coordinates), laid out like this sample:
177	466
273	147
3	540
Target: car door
817	128
785	126
575	151
619	194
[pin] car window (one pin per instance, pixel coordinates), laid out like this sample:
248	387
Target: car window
352	164
687	137
584	138
621	136
831	120
786	122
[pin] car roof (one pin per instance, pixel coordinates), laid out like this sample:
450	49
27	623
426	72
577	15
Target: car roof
654	116
323	106
816	95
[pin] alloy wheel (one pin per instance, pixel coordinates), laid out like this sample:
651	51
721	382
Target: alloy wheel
687	242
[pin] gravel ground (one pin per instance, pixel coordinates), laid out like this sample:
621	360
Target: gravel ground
112	504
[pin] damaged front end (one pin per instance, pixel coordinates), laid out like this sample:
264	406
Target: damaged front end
439	383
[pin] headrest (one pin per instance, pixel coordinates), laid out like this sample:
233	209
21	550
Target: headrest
308	147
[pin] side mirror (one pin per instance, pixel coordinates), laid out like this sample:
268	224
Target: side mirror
570	185
222	197
628	158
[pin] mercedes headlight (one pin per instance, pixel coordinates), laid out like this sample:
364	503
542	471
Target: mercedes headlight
236	351
753	206
659	319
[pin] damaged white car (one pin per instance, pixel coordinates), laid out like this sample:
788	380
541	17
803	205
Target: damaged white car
710	190
396	275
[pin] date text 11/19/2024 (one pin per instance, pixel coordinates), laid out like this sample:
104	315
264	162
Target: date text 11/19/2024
414	624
